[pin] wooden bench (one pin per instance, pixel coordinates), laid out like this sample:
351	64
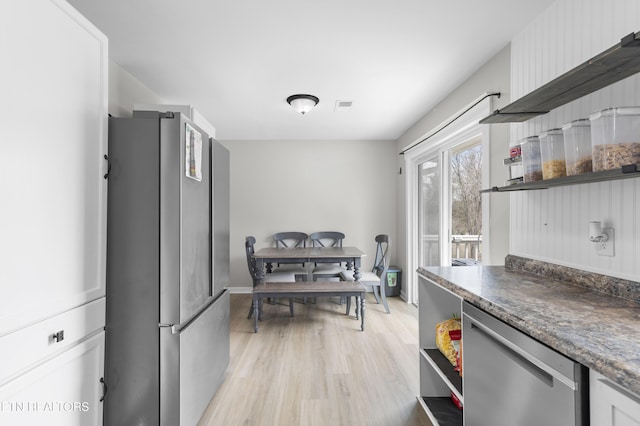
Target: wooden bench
310	289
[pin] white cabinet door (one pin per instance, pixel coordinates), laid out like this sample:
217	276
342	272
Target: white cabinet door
53	138
610	404
63	391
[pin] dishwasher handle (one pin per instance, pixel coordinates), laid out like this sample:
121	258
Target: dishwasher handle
538	368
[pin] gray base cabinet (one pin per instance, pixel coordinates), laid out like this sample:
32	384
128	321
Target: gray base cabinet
438	380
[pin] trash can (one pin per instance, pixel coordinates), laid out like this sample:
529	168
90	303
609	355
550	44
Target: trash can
393	281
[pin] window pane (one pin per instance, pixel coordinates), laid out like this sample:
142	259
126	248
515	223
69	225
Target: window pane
429	175
466	205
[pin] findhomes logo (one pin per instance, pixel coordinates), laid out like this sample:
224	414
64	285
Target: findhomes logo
43	406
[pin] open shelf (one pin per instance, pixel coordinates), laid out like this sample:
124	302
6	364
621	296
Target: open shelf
444	369
610	66
441	410
630	171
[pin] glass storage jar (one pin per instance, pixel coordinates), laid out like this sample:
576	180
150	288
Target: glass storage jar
552	153
615	137
531	161
577	147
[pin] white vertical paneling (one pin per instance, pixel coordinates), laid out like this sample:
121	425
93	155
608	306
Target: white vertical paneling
620	213
636	226
567	34
584	216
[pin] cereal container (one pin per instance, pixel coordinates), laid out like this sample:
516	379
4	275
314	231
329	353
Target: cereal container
531	159
577	147
552	153
615	137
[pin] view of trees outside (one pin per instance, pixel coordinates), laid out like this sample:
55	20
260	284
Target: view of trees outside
466	203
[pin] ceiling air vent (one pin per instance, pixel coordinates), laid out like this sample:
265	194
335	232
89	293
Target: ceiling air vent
343	106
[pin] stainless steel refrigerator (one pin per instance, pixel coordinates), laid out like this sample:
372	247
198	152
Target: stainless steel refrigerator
167	325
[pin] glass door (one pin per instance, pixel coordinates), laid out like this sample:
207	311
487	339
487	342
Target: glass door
445	216
429	211
466	203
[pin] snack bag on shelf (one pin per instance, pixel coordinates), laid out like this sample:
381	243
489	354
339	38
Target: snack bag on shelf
456	341
443	340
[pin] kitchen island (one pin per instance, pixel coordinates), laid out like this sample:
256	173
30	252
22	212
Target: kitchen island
590	318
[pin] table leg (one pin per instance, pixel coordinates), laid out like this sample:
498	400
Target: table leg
356	269
256	302
362	309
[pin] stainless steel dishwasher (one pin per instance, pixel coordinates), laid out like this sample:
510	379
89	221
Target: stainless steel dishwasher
511	379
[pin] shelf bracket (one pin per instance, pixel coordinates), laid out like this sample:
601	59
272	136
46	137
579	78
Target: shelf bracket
630	41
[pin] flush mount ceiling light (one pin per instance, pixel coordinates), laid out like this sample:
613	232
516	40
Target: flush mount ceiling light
302	103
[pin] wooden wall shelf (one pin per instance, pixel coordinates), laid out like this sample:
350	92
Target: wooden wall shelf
610	66
625	172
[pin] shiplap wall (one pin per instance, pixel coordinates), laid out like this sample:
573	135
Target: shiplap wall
552	224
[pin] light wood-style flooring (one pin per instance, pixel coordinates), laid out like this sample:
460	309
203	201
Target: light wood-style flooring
318	368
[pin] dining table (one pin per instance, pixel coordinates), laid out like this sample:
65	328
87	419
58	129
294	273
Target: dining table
267	256
352	256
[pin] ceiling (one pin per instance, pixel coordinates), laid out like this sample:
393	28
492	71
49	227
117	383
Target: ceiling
237	61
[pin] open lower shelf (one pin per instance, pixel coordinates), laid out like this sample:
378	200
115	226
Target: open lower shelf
441	410
630	171
445	370
610	66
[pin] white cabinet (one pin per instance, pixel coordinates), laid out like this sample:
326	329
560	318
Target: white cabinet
53	141
53	124
610	405
40	396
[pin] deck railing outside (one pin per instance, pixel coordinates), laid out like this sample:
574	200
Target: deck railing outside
466	247
463	248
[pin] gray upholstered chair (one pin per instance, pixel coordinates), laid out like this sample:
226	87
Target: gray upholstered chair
249	244
375	278
292	239
326	239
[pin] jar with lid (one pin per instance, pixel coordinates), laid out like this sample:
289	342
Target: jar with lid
577	146
615	137
552	153
531	161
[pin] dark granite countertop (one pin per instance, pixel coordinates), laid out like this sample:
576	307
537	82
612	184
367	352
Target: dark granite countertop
596	329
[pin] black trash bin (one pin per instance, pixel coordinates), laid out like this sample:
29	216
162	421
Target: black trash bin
393	281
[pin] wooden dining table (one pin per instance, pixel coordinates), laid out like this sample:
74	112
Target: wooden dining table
352	256
267	256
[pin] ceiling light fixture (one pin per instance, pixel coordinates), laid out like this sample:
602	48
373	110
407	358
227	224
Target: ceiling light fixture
302	103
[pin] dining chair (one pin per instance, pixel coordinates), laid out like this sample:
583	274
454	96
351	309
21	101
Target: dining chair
326	239
376	278
249	245
292	239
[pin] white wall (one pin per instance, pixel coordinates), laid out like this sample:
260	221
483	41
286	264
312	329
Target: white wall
552	224
309	186
125	91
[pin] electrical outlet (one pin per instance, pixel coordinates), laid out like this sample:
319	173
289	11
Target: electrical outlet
606	248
